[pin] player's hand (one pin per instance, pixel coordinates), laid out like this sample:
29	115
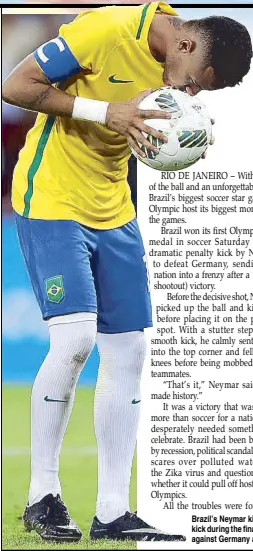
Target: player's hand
210	143
127	119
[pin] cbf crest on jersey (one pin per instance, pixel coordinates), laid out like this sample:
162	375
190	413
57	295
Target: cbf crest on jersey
55	289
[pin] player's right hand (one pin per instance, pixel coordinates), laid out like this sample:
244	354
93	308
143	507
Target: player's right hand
127	119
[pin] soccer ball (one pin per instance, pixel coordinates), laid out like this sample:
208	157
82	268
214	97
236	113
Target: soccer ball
189	130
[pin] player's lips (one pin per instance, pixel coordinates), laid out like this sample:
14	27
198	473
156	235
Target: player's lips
188	90
174	87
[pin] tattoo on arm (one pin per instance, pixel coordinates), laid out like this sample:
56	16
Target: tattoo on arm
43	95
36	103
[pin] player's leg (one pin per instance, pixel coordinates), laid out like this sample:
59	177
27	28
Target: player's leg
58	263
116	415
124	309
72	338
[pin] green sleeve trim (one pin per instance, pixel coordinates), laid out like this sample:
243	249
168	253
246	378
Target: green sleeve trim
37	161
143	17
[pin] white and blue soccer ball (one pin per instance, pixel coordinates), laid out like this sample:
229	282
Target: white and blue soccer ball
189	130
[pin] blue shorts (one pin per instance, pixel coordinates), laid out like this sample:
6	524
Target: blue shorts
78	269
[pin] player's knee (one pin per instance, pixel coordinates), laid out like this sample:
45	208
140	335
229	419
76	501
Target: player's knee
83	344
77	342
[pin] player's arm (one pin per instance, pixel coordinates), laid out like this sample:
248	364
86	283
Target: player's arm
30	85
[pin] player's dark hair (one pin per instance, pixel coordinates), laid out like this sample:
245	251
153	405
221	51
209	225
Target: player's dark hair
228	48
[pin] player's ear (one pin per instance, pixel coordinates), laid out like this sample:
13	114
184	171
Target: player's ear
186	46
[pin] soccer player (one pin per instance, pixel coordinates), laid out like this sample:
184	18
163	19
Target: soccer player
79	235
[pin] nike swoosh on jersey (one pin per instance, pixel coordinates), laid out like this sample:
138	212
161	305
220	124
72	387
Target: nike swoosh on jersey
118	81
135	401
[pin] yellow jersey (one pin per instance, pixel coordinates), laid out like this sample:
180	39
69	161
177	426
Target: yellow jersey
77	170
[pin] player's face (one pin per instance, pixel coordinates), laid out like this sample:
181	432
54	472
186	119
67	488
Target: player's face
186	70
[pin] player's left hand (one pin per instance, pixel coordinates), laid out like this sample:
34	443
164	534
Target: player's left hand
211	141
127	119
